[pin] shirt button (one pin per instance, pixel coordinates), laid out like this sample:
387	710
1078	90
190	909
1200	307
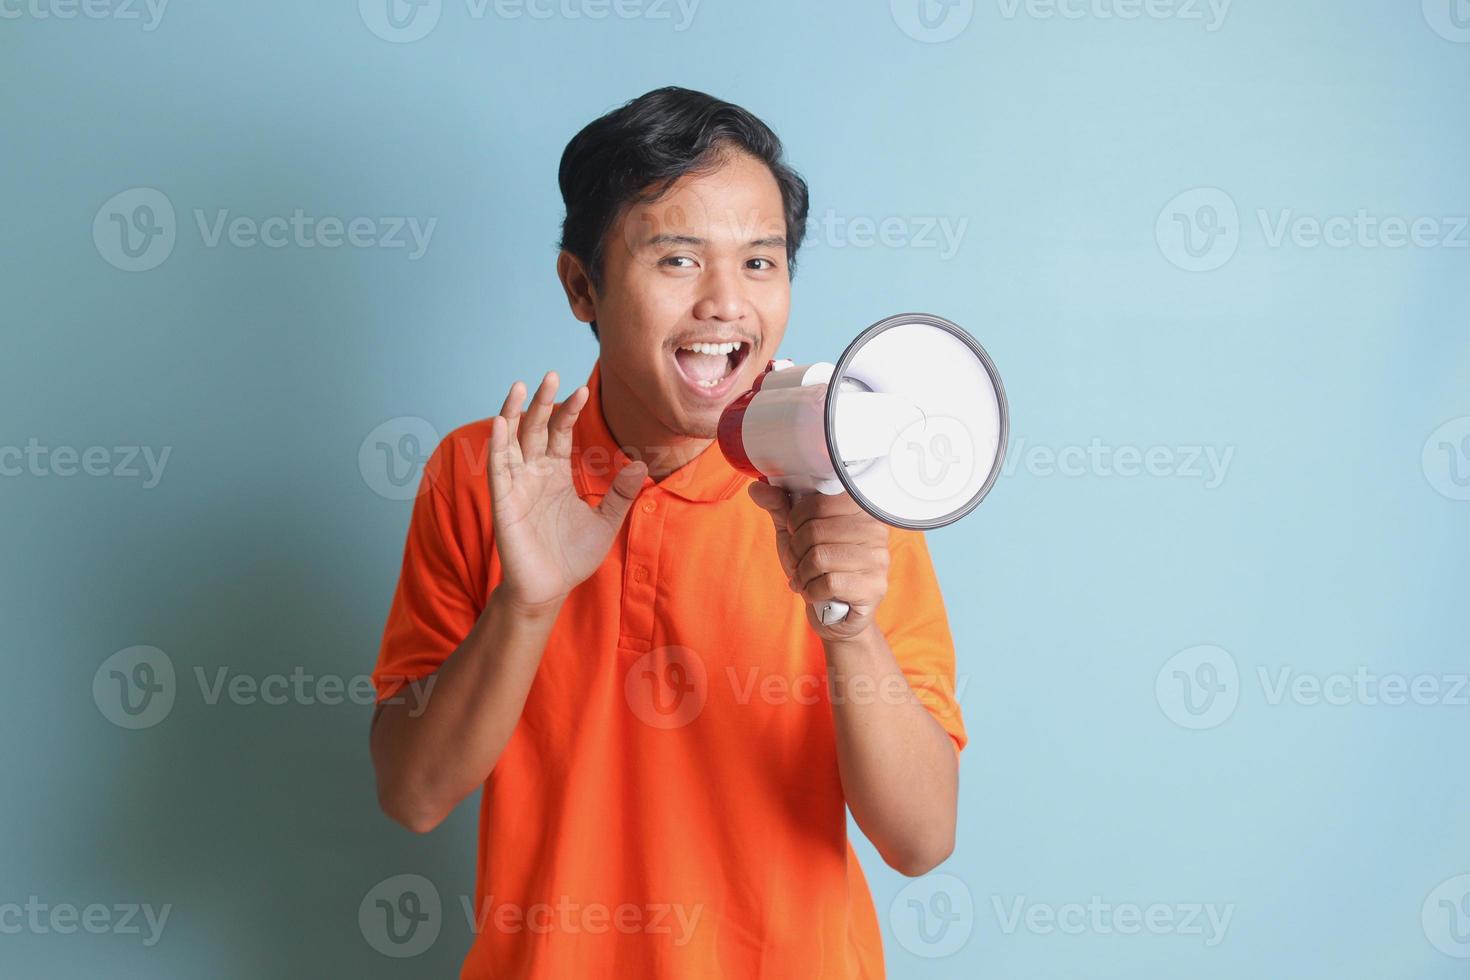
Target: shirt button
640	574
649	507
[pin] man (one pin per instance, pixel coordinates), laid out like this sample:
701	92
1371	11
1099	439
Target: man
622	645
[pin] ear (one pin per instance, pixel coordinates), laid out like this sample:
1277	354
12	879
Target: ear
581	297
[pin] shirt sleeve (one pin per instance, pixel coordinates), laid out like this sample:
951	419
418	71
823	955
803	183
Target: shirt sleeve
913	620
433	607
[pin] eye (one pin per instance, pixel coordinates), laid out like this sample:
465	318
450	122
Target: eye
673	260
760	264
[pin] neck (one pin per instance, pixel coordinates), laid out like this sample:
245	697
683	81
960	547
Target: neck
642	437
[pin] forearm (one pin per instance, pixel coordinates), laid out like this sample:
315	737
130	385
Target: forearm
898	766
430	756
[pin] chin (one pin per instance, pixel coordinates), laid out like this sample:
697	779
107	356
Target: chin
702	429
695	422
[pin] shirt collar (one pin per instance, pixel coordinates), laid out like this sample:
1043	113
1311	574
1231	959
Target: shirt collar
596	458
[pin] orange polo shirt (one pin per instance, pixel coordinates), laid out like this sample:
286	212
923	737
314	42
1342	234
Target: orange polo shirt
668	806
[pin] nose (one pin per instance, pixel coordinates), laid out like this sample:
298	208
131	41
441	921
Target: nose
721	296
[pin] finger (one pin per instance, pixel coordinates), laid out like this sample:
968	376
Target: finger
774	501
834	585
625	486
559	432
500	474
786	559
784	556
533	429
824	558
814	505
845	529
511	410
768	497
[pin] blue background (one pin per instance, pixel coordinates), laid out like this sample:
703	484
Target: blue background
1325	548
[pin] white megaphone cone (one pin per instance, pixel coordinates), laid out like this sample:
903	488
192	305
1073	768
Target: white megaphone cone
911	421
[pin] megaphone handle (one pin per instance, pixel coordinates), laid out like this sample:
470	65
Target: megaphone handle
829	611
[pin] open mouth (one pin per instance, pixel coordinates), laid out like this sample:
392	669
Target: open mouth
710	369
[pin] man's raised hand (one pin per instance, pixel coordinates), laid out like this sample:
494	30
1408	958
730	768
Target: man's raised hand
548	538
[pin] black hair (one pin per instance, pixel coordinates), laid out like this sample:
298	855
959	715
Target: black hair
637	151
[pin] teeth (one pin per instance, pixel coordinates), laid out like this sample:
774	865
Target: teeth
719	349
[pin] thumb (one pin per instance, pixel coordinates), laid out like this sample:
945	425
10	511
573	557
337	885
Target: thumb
777	503
625	487
772	500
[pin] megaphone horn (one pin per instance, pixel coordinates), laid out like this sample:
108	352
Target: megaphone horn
911	422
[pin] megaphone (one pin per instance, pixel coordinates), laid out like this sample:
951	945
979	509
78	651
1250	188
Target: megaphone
911	422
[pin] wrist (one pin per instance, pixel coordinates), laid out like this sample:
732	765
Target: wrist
534	612
846	646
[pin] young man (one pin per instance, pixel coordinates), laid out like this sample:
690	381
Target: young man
623	648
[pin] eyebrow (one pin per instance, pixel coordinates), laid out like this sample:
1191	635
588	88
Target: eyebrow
773	241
